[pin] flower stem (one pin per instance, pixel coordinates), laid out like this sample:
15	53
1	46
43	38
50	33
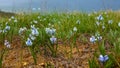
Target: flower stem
33	54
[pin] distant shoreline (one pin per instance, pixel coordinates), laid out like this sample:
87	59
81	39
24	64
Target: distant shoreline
52	11
7	13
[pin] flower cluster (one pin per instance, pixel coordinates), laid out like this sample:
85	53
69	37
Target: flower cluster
98	24
99	21
98	37
95	38
32	36
13	19
7	44
21	30
51	32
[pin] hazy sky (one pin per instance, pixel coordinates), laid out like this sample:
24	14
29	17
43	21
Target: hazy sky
86	5
9	3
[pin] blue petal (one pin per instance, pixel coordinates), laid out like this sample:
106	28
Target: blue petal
101	58
106	57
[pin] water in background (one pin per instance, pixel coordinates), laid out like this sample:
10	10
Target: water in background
58	5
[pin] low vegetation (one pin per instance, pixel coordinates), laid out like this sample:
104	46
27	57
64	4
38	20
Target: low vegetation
89	40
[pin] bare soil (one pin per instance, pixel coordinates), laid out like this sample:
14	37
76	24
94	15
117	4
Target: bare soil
17	57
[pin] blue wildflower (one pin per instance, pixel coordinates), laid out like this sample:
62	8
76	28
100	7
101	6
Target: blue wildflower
28	42
100	17
103	58
92	39
53	39
35	32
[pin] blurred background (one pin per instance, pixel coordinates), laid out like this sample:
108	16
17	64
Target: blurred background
58	5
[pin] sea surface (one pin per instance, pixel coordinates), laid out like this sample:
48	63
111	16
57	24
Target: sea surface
59	5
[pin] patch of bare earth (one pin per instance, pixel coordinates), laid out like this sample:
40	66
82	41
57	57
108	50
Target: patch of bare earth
17	57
